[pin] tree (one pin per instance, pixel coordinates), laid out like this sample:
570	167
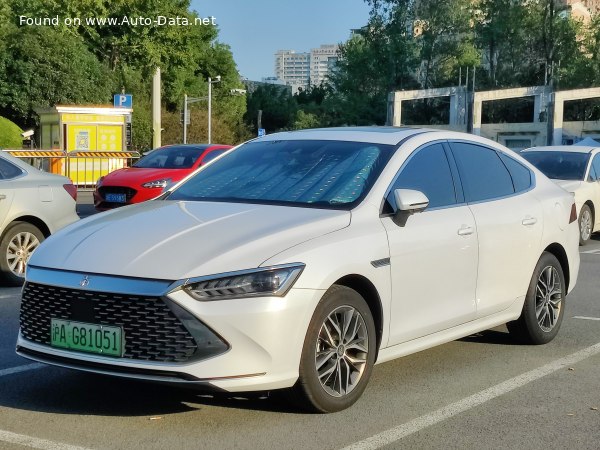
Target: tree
277	105
40	67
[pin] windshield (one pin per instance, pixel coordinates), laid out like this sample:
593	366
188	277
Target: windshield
559	165
175	157
325	174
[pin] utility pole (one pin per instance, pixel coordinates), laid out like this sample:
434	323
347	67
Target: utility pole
210	83
185	114
156	122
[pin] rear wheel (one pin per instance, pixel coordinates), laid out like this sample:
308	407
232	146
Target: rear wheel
338	353
544	304
18	243
586	222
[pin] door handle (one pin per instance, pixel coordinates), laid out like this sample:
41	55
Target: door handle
465	230
2	196
528	221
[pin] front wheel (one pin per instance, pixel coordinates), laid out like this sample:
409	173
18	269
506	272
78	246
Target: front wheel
338	353
544	306
18	243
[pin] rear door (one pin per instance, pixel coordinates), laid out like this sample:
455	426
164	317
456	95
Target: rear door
8	172
499	191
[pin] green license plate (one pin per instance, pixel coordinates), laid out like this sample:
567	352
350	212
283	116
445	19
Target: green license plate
87	337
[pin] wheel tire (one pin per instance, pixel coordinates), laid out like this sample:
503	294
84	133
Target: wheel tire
309	392
586	224
17	243
544	308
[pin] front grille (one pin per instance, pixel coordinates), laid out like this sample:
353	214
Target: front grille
129	192
153	326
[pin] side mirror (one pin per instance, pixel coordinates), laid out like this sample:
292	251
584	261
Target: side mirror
410	201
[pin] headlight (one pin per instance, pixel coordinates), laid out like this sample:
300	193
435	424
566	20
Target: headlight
270	281
157	183
99	182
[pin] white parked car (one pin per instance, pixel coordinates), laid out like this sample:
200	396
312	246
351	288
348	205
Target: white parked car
299	260
576	169
33	205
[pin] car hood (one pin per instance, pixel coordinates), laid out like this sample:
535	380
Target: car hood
173	240
135	175
569	185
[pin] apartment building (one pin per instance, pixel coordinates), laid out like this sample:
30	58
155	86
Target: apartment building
304	69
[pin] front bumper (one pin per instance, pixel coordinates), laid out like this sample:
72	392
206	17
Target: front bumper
265	336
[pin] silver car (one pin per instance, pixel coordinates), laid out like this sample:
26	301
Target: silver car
33	205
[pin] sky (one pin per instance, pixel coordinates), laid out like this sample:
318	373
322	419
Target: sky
256	29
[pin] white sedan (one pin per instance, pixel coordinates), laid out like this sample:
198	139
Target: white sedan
299	260
33	205
576	169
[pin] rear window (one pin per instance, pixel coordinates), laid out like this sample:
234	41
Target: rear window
559	165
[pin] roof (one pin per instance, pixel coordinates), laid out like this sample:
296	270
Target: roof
562	148
376	135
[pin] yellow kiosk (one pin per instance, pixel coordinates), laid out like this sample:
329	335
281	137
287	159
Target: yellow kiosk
95	139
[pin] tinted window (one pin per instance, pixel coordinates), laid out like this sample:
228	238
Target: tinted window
212	155
559	165
593	175
428	171
482	172
8	170
596	166
520	174
324	174
175	157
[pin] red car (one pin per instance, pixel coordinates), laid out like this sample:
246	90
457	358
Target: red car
147	178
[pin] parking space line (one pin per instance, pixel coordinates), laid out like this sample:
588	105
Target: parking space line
586	318
591	252
395	434
19	369
28	441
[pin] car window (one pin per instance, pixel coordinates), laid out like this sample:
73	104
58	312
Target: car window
596	166
483	175
8	170
172	157
593	174
559	165
212	155
428	171
521	175
310	173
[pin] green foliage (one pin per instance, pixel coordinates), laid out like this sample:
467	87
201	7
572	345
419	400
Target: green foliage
10	134
90	62
40	66
277	105
305	120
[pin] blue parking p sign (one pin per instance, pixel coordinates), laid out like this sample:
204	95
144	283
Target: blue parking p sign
261	132
123	101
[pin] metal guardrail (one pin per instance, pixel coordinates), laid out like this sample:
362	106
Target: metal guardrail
82	167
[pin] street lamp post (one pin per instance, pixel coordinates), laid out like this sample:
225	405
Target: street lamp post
210	83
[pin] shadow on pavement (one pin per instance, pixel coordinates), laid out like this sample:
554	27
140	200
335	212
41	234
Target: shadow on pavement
62	391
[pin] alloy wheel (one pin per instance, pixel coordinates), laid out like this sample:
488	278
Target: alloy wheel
548	298
20	248
585	224
342	349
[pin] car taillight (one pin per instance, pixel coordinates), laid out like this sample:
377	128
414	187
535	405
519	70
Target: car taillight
573	216
72	190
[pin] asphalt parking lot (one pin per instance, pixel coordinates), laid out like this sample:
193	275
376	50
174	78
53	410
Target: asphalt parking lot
483	391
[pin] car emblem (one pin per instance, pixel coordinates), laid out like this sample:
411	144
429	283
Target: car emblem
85	281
